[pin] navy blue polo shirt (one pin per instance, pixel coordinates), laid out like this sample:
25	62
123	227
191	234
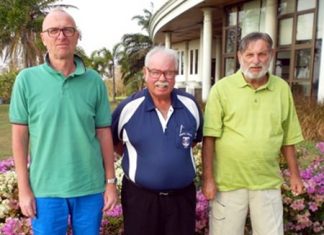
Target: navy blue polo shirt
157	154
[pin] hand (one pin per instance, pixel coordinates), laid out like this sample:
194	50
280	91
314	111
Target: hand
27	203
209	189
110	197
296	185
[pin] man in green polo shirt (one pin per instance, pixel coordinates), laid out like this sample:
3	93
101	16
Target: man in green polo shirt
249	119
60	110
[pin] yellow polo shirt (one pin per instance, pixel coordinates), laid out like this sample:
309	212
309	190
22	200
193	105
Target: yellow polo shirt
250	127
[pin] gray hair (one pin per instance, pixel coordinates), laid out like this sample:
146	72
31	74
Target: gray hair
252	37
160	49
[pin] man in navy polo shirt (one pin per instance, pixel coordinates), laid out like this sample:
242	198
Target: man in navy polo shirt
155	130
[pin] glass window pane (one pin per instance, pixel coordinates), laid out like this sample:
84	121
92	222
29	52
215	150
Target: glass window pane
196	61
191	61
304	28
320	20
285	31
302	68
249	18
232	16
282	64
181	65
230	40
306	4
286	6
229	66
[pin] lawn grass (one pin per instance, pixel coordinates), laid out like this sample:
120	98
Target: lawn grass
5	133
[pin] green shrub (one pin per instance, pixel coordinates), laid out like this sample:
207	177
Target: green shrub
6	83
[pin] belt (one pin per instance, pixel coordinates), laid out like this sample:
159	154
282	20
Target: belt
163	193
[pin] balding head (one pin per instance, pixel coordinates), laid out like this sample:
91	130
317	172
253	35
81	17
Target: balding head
54	16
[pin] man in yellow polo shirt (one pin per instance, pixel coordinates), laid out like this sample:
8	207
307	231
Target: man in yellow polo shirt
249	119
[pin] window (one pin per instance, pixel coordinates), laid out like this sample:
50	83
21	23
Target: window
239	21
193	61
296	44
181	62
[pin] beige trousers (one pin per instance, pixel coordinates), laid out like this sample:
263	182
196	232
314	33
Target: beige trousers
229	211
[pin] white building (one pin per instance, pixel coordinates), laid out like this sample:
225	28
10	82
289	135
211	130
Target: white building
206	33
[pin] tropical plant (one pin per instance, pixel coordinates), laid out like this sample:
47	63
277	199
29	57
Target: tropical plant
105	62
6	84
86	60
20	27
101	60
135	48
303	214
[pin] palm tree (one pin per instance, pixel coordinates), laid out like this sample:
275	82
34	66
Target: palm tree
20	25
135	48
101	61
105	62
144	20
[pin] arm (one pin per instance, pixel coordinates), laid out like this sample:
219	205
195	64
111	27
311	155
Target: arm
209	184
106	144
20	142
119	148
296	184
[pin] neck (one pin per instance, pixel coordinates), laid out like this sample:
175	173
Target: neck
64	66
162	104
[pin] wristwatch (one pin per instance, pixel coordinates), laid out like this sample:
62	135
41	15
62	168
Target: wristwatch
111	181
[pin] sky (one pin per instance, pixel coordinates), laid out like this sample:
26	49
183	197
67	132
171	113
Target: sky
104	22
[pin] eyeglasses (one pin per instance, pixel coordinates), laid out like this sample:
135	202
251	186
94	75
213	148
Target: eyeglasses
156	74
55	32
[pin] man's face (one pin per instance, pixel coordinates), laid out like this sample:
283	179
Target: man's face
255	60
59	35
160	75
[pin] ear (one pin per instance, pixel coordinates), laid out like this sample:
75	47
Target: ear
145	73
43	38
271	53
239	56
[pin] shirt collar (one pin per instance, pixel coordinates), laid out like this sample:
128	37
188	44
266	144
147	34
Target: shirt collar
80	67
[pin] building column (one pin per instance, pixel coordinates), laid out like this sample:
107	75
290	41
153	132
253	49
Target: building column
320	93
185	62
218	56
167	39
270	23
207	50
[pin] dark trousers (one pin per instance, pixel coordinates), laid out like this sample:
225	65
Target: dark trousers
148	212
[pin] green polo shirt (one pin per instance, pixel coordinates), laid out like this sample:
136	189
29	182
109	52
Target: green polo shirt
250	127
62	115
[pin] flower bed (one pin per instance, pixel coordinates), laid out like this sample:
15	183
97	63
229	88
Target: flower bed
303	214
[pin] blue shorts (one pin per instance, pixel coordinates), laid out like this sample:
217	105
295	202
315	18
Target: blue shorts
53	214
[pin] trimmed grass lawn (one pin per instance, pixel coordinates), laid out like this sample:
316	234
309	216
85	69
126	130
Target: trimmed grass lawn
5	133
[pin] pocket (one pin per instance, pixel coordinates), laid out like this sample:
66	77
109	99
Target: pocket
218	211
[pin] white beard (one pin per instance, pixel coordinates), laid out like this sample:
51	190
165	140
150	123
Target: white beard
255	76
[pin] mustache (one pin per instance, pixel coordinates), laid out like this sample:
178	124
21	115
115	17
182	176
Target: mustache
257	65
162	84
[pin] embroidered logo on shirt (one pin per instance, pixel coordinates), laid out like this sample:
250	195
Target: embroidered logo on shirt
185	136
